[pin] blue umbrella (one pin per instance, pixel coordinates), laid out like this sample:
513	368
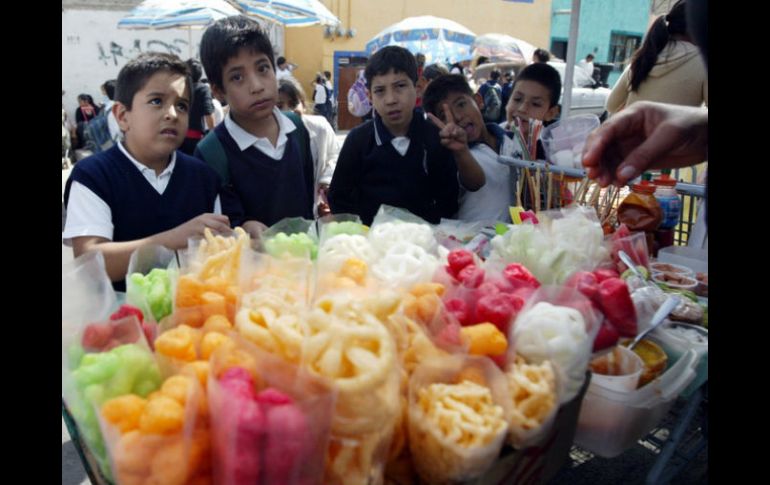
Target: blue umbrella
290	13
439	39
166	14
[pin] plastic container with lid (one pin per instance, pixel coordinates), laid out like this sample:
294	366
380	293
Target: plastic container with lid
669	201
563	141
610	421
676	338
640	210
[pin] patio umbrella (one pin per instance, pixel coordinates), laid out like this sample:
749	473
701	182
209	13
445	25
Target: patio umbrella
167	14
440	39
503	48
289	13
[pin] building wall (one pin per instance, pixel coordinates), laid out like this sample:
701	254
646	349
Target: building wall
598	19
93	49
308	48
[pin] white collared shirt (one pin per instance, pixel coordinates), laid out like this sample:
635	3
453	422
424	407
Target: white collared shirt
244	139
89	215
401	144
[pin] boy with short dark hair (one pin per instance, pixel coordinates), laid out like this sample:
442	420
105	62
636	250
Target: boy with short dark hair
398	158
535	95
142	190
486	141
262	154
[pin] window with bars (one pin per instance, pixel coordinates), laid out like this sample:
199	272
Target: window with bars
622	47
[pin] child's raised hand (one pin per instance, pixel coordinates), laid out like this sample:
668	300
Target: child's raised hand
177	237
452	135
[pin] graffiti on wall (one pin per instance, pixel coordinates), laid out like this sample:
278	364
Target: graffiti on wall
117	54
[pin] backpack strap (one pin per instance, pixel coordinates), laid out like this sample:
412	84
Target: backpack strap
214	155
304	137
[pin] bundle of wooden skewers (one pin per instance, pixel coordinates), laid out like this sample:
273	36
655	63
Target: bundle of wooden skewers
542	189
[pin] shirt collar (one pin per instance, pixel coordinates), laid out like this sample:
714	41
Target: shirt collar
497	131
244	139
383	136
144	168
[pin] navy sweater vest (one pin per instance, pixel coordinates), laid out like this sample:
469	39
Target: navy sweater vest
369	174
264	189
138	210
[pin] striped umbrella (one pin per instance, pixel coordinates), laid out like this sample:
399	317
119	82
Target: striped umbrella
439	39
167	14
503	48
289	13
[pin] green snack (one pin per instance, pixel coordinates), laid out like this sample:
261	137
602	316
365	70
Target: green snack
151	293
125	369
345	227
76	353
298	245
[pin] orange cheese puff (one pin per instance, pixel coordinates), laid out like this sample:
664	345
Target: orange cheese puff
134	451
198	369
473	374
226	358
202	479
124	411
177	343
217	284
427	289
212	341
153	395
213	304
231	295
355	269
409	303
188	291
177	388
162	415
169	465
200	451
217	323
191	316
131	478
428	306
485	339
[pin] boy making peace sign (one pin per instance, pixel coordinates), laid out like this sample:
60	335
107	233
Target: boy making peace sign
398	158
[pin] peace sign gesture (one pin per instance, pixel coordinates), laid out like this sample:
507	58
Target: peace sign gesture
452	135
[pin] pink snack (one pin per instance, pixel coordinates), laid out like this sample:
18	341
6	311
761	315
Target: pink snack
288	444
238	435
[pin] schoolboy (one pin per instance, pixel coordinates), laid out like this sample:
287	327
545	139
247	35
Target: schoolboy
399	158
142	190
535	95
486	141
262	154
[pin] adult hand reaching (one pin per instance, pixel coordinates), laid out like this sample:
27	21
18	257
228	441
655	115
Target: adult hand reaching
645	136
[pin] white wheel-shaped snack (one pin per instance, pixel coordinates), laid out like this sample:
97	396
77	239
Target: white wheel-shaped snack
404	264
383	236
336	250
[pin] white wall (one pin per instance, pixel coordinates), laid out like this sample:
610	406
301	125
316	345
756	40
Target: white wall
93	49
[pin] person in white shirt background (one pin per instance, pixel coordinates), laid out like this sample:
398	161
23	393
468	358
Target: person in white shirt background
587	65
324	146
108	94
283	69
